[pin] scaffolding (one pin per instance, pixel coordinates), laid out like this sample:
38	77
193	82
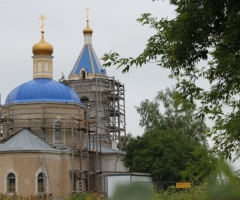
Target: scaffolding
1	121
99	121
105	123
39	119
104	98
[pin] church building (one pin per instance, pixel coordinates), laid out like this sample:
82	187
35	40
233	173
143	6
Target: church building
61	137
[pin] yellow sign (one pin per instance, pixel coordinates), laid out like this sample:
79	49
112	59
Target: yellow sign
183	185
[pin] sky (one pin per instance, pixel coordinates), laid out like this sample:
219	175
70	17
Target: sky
114	29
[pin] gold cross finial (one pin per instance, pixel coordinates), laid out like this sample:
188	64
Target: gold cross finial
42	26
87	10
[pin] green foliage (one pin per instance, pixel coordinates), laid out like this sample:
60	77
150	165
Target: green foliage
194	193
19	197
201	31
132	192
173	147
125	140
169	110
229	190
86	196
78	196
168	155
212	189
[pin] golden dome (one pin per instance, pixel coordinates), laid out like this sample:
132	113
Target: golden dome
42	48
87	30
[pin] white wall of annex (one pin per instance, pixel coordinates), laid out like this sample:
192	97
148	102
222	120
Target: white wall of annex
114	181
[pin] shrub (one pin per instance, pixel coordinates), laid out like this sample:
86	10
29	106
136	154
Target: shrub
86	196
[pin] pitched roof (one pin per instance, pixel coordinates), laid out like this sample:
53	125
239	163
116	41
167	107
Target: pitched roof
108	150
89	61
26	141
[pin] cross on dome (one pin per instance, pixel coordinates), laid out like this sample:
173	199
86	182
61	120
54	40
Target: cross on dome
87	65
42	59
42	17
87	30
42	48
87	10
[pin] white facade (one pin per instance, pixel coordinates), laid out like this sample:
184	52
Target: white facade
112	181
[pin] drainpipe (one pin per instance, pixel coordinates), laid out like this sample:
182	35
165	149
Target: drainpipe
116	161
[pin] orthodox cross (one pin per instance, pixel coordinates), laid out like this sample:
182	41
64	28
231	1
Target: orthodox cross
42	18
87	10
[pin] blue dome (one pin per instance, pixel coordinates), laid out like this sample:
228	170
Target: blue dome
42	90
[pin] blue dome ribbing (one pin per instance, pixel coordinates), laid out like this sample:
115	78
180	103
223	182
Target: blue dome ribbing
42	90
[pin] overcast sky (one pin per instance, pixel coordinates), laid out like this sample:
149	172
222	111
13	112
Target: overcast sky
114	28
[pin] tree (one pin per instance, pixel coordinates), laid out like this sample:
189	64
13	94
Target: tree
201	31
168	156
125	140
176	114
173	146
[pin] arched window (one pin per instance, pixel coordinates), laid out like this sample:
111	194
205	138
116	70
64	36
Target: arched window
85	100
11	183
40	182
58	135
83	74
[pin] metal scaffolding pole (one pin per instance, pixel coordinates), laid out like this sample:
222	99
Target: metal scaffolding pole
88	149
72	159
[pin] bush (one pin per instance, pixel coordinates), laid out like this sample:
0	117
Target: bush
19	197
196	193
86	196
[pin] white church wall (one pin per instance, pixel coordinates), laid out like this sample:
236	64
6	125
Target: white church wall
113	163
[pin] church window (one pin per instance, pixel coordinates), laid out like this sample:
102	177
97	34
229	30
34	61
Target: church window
83	74
46	66
85	100
58	131
40	182
11	183
39	66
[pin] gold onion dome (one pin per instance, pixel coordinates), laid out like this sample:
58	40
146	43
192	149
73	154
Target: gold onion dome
87	30
42	48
